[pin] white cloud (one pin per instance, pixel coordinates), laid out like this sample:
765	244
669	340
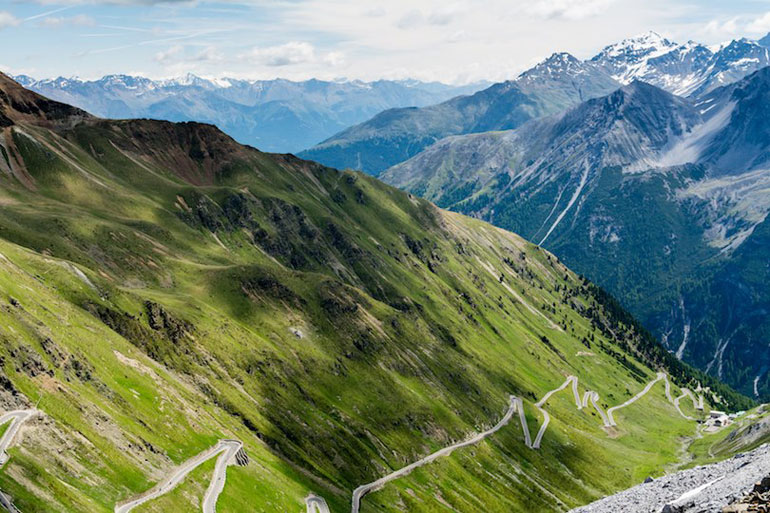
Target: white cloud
568	9
167	55
208	54
334	59
293	52
114	2
721	29
176	55
410	19
8	20
759	26
443	17
438	17
375	12
458	37
81	20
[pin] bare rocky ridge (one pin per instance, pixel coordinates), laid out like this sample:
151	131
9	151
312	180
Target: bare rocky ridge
704	489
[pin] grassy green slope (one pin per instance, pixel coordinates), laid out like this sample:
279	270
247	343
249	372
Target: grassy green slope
163	287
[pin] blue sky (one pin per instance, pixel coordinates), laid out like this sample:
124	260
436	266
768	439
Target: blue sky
447	40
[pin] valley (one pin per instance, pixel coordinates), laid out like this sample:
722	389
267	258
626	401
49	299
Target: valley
168	295
317	256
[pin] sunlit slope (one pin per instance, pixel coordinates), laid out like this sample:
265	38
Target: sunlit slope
164	288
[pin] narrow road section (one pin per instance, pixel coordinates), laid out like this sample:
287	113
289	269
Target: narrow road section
227	451
17	418
359	492
316	504
217	484
638	396
546	417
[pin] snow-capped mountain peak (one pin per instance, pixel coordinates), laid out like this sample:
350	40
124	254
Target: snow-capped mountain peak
561	64
647	45
630	58
683	69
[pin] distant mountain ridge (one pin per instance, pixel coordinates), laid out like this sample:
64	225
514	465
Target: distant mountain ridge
393	136
661	199
689	69
275	115
560	82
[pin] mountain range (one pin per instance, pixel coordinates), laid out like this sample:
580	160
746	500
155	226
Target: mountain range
559	82
168	294
661	199
274	115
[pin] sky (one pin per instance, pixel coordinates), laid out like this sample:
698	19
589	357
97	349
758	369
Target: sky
453	41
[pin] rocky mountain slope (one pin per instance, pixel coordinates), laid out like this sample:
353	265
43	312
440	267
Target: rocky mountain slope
167	294
275	115
704	489
556	84
660	199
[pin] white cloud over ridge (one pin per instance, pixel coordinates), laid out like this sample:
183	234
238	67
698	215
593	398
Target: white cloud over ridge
293	52
8	20
760	25
568	9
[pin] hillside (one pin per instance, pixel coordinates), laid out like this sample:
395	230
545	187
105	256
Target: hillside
167	293
661	200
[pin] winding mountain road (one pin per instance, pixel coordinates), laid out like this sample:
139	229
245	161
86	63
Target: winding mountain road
638	396
217	483
226	449
685	393
515	405
316	504
359	492
17	418
546	417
